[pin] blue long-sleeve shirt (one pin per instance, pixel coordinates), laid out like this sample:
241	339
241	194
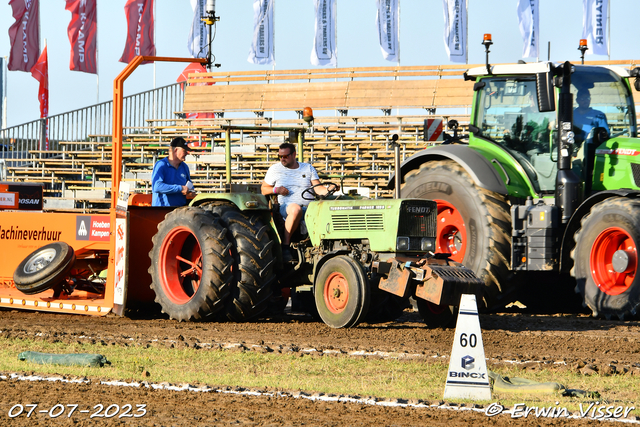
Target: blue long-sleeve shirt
167	183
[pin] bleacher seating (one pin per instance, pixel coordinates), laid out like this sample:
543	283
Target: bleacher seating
352	148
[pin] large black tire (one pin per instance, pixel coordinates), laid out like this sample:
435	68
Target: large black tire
253	261
44	268
190	264
384	306
474	224
606	260
341	291
437	316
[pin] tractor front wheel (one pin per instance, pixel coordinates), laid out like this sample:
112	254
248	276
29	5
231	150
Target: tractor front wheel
341	292
606	258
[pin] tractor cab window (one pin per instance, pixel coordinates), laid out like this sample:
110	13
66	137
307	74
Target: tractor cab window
601	99
508	115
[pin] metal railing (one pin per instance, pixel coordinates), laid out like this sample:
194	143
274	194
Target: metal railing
93	123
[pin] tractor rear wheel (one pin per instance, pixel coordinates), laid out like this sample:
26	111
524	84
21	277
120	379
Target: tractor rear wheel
474	224
606	258
190	265
341	292
253	261
44	268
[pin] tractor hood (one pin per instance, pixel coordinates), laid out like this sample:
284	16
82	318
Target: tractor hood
383	222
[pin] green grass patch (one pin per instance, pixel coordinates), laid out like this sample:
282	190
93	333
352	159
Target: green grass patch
385	378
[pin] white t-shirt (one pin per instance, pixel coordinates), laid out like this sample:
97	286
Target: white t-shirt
294	180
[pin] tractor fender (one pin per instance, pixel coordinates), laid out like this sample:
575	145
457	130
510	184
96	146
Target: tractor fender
244	201
477	166
576	219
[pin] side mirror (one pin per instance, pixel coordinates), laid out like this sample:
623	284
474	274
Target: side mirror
545	91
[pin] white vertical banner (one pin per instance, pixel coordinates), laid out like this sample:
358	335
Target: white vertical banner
529	23
455	29
325	51
262	48
388	20
199	34
594	26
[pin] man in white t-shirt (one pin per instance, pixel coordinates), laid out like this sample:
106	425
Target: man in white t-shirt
288	179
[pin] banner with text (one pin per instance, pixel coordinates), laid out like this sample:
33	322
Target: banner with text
529	23
594	26
199	34
325	51
82	33
388	20
455	29
140	28
262	48
24	35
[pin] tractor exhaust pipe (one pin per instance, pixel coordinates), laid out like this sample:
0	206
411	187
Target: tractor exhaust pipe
396	158
568	185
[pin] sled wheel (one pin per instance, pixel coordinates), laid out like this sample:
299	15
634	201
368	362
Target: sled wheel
44	268
437	316
190	265
341	292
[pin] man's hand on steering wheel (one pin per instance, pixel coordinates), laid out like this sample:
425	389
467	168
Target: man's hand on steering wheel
330	188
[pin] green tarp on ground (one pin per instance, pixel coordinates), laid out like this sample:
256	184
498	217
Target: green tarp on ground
72	359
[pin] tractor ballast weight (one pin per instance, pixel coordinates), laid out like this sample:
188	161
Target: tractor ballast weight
531	190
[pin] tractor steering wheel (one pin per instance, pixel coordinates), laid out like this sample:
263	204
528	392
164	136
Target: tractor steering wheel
330	186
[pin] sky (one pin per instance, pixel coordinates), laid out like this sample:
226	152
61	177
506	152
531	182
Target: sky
421	42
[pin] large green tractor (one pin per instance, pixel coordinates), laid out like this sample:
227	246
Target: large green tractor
359	259
543	184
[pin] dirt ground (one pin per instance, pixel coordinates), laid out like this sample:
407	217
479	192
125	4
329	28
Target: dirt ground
579	341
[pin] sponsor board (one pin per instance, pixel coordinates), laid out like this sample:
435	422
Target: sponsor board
26	197
93	227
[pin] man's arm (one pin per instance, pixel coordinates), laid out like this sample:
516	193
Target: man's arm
160	186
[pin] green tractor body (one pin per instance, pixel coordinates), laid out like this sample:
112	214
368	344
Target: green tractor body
358	260
389	225
535	189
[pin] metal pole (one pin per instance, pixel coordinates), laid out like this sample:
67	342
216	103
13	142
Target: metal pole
227	154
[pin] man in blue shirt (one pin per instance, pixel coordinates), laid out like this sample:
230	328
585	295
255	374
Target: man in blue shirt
171	180
586	118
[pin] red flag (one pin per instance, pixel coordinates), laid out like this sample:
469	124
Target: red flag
82	35
24	35
195	68
40	72
192	68
140	30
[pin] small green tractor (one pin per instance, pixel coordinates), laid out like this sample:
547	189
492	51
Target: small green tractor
360	259
532	191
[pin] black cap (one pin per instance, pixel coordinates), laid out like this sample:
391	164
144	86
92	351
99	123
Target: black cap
179	141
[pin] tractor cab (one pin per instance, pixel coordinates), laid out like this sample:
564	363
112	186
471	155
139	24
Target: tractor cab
516	111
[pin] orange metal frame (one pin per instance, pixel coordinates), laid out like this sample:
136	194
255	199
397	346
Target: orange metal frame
22	232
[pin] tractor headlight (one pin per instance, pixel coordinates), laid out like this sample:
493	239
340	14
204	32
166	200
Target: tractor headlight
428	244
402	244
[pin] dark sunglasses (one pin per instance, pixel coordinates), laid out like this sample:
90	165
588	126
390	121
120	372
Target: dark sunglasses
284	156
